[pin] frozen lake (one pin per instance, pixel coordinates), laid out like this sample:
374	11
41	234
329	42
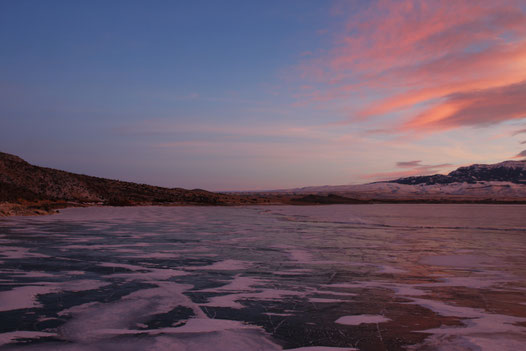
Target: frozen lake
342	277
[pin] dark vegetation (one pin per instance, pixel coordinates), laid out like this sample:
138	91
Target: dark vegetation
29	185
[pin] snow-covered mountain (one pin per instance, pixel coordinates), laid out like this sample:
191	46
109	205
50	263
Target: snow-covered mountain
507	171
500	181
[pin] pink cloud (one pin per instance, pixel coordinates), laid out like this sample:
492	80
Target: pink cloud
520	131
414	168
442	64
409	164
398	33
474	108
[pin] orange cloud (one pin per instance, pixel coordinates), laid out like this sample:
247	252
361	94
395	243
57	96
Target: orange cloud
478	107
460	63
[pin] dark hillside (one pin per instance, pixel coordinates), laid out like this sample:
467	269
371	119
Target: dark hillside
20	180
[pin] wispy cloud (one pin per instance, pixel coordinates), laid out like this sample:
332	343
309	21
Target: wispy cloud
409	164
474	108
520	131
167	128
521	154
412	168
438	64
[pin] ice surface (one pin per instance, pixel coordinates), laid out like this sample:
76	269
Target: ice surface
457	260
151	274
322	348
322	300
27	296
227	265
391	270
302	278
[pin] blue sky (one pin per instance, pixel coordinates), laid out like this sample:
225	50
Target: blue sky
230	95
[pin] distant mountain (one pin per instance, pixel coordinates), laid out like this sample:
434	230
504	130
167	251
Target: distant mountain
501	182
28	189
21	181
507	171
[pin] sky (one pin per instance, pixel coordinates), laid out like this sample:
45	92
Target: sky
254	95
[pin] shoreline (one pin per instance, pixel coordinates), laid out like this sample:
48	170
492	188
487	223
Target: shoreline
43	208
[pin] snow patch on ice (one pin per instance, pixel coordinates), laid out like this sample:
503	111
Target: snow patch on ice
6	338
482	330
12	252
23	297
362	319
226	265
